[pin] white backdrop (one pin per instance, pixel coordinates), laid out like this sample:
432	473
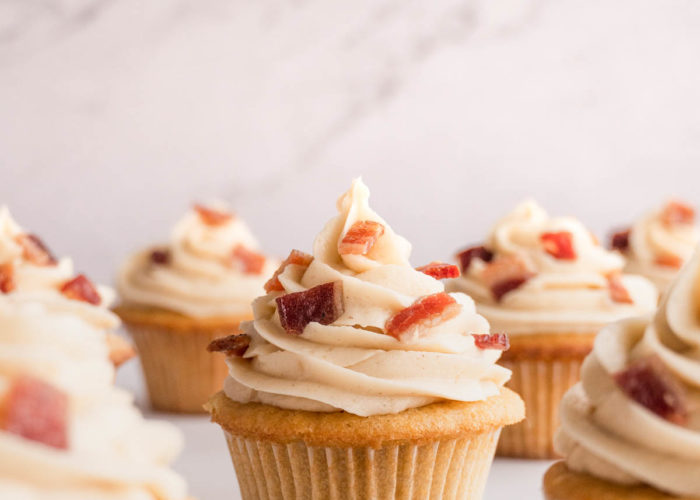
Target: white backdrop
115	115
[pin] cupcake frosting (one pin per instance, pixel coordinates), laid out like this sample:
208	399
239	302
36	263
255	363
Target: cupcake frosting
211	267
354	363
49	334
631	425
562	278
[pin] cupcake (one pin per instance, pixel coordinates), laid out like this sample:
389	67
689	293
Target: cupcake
659	243
66	432
548	284
177	298
360	377
630	429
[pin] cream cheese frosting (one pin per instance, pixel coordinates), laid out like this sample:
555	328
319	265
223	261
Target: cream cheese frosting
561	295
113	453
609	435
352	364
200	278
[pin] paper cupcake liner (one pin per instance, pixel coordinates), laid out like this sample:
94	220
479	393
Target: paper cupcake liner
447	469
180	373
541	384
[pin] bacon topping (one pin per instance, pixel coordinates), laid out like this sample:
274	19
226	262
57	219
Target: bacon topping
618	291
506	274
440	270
81	288
466	256
160	256
231	345
296	257
673	261
34	250
492	341
676	212
212	217
323	304
651	384
621	240
360	238
425	312
37	411
7	277
559	245
250	262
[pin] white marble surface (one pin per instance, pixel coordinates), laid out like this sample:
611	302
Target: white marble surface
116	114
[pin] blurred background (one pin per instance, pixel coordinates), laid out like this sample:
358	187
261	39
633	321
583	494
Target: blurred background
116	114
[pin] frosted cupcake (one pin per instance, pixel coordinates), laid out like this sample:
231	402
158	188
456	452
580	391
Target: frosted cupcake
360	377
630	429
548	284
177	298
658	244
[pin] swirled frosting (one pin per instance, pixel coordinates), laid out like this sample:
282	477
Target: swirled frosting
198	276
113	453
607	434
352	364
564	295
658	248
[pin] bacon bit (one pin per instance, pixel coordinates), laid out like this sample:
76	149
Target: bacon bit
231	345
673	261
505	274
323	304
423	313
676	212
492	341
212	217
7	277
618	291
360	238
440	270
296	257
37	411
465	257
559	245
81	288
621	240
34	250
160	256
251	262
651	384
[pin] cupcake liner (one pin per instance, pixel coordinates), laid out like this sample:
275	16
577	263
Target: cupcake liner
443	469
541	384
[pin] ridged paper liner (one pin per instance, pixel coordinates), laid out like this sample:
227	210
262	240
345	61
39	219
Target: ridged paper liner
448	469
541	384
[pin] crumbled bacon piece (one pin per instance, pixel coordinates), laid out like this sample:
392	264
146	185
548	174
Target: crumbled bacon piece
34	250
673	261
296	257
492	341
559	245
466	256
676	212
423	313
231	345
621	240
651	384
37	411
323	304
81	288
440	270
212	217
249	261
360	238
618	291
505	274
7	277
160	256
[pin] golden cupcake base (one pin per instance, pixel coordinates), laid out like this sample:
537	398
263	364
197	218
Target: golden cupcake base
544	367
440	451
